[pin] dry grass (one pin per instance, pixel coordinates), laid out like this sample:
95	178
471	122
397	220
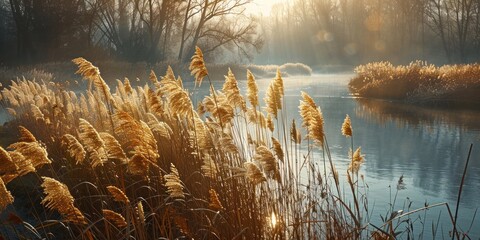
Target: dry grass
418	82
143	163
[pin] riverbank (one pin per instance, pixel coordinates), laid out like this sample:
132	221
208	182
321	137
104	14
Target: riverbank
419	82
112	70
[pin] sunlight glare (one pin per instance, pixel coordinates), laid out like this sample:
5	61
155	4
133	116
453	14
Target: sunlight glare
273	220
264	7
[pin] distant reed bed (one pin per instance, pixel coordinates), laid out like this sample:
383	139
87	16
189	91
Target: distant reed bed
146	163
418	82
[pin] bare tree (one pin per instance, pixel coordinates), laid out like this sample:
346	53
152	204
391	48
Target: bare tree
214	23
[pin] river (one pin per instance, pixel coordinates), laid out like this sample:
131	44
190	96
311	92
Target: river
428	147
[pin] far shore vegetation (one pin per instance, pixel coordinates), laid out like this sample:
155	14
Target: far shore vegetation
419	82
61	72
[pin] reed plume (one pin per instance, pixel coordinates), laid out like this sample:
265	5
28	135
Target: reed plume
181	223
197	66
93	143
37	114
58	197
86	69
161	128
153	77
201	136
253	173
174	184
92	74
178	100
127	86
312	119
138	165
279	83
6	163
135	136
74	148
118	195
25	135
270	124
218	105
295	135
267	159
357	160
154	103
252	89
24	166
277	147
33	151
209	167
215	203
117	219
347	127
113	148
256	117
5	196
232	92
140	213
273	99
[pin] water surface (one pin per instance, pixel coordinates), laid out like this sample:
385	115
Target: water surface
429	147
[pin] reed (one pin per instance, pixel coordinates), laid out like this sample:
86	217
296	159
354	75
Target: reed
418	82
142	162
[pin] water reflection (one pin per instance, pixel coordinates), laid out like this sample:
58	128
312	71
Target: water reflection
431	146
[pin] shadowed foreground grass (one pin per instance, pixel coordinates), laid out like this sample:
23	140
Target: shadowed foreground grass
145	163
419	82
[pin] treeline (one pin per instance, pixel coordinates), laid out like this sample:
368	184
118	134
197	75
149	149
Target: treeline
360	31
133	30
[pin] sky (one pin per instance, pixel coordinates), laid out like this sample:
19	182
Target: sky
264	6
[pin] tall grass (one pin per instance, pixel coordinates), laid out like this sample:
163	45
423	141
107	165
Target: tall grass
144	163
418	82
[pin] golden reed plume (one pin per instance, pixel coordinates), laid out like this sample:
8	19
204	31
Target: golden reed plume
93	143
25	135
58	198
312	119
347	127
197	66
277	147
113	148
33	151
357	160
252	89
24	166
295	135
117	219
267	159
74	148
5	196
215	203
254	173
118	195
6	162
153	77
174	184
232	92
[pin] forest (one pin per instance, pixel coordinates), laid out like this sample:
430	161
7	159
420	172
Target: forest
315	32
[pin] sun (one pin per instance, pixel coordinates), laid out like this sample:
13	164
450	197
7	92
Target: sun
264	7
